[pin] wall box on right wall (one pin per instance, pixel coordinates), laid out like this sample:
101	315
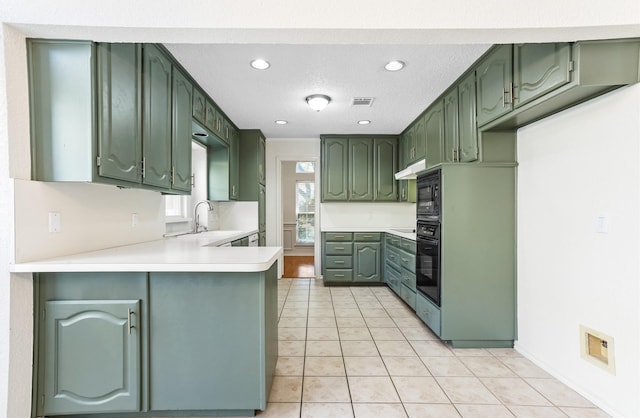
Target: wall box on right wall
597	348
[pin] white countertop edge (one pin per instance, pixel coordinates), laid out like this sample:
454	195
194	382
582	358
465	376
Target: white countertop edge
217	259
389	230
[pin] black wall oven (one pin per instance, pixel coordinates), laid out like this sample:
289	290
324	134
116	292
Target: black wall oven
428	196
428	259
428	247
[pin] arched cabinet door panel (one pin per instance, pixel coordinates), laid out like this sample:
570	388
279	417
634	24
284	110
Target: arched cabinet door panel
92	356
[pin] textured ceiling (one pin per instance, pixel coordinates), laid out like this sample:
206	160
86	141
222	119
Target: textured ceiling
255	99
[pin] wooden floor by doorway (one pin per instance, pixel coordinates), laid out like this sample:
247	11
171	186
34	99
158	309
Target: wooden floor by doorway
298	266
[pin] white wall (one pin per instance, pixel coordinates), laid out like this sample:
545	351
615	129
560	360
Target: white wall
575	167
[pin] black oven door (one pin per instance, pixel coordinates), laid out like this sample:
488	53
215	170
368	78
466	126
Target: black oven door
428	268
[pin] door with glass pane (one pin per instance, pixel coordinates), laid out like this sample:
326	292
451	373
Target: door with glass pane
305	212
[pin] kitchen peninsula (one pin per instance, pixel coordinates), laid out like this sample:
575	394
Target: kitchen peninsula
156	328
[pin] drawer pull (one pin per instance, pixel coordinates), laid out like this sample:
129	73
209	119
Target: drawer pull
339	275
425	313
339	262
367	236
405	260
339	236
339	248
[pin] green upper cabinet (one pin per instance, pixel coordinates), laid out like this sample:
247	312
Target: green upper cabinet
451	130
434	127
460	129
119	111
210	117
234	164
414	142
156	130
467	125
252	162
360	169
494	84
91	357
262	202
199	105
181	133
385	165
539	69
335	171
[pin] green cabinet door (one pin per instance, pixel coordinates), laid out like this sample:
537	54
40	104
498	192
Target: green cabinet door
262	200
119	111
335	172
261	160
92	356
210	116
385	165
538	69
181	133
494	85
198	106
366	262
467	126
420	145
156	133
450	143
434	126
360	169
234	164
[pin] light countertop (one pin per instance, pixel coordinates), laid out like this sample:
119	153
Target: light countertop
408	232
187	253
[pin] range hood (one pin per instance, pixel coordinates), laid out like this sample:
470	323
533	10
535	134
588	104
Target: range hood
410	172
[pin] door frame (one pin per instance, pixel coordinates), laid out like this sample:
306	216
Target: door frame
279	206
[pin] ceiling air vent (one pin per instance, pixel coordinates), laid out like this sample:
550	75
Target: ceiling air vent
362	101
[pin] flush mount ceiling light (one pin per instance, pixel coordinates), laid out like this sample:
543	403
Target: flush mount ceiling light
318	102
260	64
364	122
394	65
281	122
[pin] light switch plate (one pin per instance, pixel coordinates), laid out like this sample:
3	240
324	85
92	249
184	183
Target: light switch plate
55	224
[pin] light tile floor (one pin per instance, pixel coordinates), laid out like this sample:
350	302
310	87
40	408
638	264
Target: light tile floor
360	352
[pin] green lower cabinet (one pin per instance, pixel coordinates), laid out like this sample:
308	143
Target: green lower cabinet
92	361
399	261
214	340
429	313
366	259
352	257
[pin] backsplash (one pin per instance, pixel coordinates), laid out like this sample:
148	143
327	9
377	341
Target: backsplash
92	217
367	215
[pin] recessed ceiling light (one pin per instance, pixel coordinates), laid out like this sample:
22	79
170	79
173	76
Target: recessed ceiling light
281	122
394	65
364	122
260	64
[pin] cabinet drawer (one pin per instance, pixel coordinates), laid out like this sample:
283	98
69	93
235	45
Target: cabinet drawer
339	261
429	313
392	277
407	260
393	257
338	248
366	236
338	236
408	279
338	275
408	295
408	245
393	240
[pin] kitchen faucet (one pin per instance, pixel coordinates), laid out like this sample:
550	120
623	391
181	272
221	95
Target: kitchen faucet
196	217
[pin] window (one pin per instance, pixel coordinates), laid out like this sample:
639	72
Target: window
305	167
305	212
179	208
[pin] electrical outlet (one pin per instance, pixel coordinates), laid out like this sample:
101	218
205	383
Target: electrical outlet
134	220
55	223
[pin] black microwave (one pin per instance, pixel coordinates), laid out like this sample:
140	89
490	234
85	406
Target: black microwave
428	196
